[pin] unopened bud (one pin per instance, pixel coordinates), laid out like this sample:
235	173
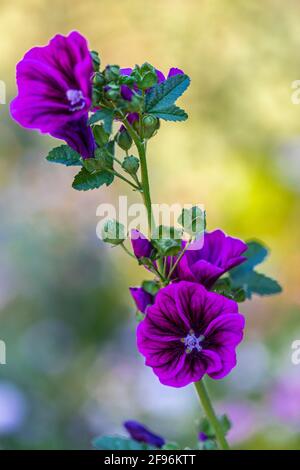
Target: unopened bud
131	164
150	125
112	72
124	140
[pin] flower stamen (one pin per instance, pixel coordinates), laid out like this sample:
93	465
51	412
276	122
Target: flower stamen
192	342
76	99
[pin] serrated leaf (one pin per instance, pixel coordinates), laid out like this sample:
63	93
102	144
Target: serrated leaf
119	443
84	180
257	283
224	287
164	94
255	254
172	113
105	115
64	155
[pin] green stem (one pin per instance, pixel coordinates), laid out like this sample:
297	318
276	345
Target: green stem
141	148
211	415
172	269
127	251
126	180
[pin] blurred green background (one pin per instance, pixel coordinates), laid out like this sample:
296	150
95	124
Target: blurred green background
72	370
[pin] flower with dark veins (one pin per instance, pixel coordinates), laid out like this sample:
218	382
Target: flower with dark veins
55	91
189	332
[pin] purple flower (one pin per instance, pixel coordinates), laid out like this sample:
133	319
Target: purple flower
141	298
219	254
140	433
202	437
55	91
141	246
189	332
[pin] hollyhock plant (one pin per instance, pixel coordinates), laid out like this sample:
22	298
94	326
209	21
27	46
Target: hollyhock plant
190	325
189	332
55	91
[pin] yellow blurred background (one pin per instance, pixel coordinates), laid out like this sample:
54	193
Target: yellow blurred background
238	154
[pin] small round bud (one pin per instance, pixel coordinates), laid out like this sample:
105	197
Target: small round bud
123	139
99	79
112	94
112	72
150	125
148	81
131	164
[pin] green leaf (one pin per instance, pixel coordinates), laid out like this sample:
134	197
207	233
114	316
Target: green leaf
164	94
255	254
105	115
167	240
84	180
225	423
257	283
172	113
119	443
224	287
65	155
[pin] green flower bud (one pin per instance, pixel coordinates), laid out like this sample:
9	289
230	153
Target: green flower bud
113	232
149	80
146	67
126	80
150	125
124	140
112	94
96	96
112	72
136	104
99	79
131	164
96	60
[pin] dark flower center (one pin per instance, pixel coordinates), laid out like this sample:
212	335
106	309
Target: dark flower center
76	100
191	341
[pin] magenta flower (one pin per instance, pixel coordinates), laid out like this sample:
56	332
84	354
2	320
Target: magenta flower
55	91
219	254
189	332
141	298
140	433
141	246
